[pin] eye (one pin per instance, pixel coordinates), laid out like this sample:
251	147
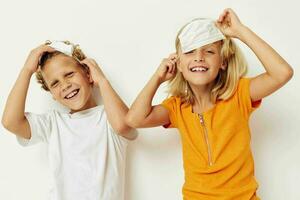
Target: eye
54	84
210	51
190	52
70	74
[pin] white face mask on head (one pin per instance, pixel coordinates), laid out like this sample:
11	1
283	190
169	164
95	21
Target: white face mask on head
65	47
198	33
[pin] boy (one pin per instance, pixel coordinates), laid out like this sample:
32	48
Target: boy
87	146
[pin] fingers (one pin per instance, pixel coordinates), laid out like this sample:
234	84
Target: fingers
37	53
45	48
173	56
170	64
222	17
229	11
41	49
49	49
228	17
89	62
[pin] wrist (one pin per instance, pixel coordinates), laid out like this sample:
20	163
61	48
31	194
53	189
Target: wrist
27	71
242	33
101	80
157	79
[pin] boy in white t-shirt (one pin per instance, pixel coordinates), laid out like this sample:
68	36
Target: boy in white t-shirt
87	146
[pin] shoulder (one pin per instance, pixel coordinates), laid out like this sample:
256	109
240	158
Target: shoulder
243	83
172	100
50	114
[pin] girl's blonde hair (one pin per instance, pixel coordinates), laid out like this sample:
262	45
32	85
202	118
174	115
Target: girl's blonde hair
77	54
226	81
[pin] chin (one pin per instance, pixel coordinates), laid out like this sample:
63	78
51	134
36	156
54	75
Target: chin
79	107
74	107
199	82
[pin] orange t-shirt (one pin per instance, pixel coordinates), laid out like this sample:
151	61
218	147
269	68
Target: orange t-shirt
218	162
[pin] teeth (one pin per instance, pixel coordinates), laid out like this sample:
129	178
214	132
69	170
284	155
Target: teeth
72	94
199	69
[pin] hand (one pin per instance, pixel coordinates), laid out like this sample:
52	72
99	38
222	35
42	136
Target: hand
32	61
167	68
95	73
229	23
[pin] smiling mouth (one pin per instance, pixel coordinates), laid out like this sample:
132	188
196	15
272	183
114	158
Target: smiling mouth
199	69
72	94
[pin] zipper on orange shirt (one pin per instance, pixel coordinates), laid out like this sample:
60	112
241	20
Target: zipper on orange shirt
210	162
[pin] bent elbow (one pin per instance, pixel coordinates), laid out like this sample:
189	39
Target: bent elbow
131	121
289	74
16	127
126	131
6	123
285	76
123	129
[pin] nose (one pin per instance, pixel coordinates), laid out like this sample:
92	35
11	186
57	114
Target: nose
199	56
66	85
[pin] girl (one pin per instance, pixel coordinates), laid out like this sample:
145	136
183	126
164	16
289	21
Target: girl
87	146
211	104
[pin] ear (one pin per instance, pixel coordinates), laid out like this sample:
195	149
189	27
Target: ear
89	77
88	74
224	65
178	66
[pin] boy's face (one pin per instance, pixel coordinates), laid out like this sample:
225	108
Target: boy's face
68	83
201	66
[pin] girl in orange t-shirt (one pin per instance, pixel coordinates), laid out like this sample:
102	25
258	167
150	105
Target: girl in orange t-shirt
211	103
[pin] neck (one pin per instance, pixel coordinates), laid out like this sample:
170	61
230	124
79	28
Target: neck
202	97
89	104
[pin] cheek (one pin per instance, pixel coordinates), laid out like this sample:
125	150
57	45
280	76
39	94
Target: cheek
83	80
55	93
182	64
217	59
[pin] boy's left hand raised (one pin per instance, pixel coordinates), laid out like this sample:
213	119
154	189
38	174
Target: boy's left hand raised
95	73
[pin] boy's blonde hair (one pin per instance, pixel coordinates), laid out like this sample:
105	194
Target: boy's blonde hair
226	81
77	54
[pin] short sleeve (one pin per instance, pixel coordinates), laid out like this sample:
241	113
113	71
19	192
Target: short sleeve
40	127
247	106
171	104
119	140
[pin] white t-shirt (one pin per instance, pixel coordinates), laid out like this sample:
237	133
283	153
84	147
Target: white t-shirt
86	157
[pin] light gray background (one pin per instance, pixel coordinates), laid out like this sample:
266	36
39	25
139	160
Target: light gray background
129	39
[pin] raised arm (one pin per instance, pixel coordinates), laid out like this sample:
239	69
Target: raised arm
278	71
142	114
115	108
13	118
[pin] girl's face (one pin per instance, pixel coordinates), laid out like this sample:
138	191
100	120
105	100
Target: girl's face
68	83
200	67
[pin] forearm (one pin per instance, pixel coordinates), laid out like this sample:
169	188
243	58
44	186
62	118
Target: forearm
276	67
15	105
142	106
115	108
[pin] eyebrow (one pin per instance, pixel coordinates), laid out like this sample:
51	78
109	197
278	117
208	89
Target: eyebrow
209	46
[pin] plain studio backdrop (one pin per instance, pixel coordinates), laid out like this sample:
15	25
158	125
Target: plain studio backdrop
129	39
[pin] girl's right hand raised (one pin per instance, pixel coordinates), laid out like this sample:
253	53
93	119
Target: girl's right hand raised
167	68
32	60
